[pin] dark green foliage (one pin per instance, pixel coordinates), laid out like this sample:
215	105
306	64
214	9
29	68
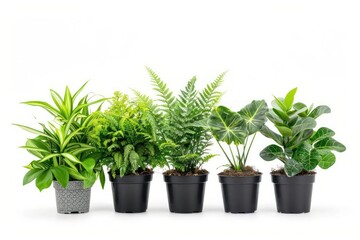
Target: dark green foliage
299	146
236	128
126	135
184	142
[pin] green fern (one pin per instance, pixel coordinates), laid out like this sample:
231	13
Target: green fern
184	143
126	135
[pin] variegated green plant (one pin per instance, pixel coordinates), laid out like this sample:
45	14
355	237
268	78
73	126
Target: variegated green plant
298	145
237	130
61	147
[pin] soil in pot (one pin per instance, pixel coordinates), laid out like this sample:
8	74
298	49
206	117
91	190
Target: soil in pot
240	190
185	191
131	192
293	194
72	199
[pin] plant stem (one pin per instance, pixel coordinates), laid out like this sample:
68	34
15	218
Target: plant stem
227	157
240	159
232	154
248	150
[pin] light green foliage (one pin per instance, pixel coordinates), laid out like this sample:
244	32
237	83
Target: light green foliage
61	146
236	128
298	145
126	135
185	142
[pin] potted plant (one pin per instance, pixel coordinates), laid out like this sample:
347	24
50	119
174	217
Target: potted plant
185	143
300	148
239	183
125	135
63	156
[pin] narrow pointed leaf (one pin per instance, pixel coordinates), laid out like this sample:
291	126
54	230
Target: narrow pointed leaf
289	99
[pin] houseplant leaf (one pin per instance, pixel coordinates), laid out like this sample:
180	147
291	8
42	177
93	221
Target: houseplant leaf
254	115
227	126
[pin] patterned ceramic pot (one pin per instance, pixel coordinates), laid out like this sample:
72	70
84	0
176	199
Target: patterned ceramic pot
73	199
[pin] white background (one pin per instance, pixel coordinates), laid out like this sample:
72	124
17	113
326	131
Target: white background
268	47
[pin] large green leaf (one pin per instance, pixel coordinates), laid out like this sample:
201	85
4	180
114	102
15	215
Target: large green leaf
330	144
53	111
307	156
31	175
61	175
227	126
292	167
289	98
267	132
322	133
44	180
272	152
303	124
89	164
327	159
319	110
254	115
89	180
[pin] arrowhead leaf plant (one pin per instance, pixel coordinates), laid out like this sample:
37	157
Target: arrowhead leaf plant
298	145
61	147
237	130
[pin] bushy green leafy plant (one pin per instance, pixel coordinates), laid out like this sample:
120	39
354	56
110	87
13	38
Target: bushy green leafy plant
299	146
237	128
185	143
126	135
61	147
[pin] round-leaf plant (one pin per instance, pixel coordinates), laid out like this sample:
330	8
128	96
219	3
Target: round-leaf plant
61	147
298	145
236	129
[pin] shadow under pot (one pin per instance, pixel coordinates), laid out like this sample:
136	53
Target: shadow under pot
240	193
186	193
72	199
293	194
130	193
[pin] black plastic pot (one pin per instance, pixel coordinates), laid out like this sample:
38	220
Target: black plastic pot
293	194
240	193
186	193
130	193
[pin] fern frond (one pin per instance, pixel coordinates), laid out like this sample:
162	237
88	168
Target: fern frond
163	91
209	96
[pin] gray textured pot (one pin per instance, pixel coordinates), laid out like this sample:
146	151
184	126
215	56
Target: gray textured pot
73	199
